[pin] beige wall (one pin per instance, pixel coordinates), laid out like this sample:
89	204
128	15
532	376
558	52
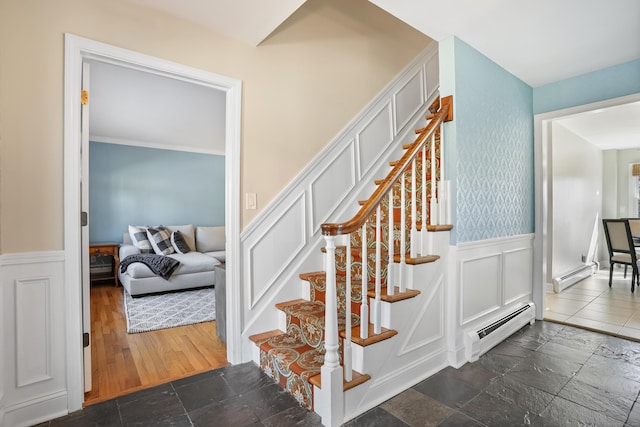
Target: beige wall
300	88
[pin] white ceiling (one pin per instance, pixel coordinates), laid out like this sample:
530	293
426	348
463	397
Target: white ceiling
147	110
540	41
609	128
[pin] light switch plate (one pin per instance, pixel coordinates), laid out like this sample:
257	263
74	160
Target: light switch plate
251	201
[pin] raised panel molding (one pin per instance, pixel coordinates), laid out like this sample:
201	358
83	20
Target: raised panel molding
432	74
274	250
409	99
33	337
492	274
339	174
374	137
480	286
517	273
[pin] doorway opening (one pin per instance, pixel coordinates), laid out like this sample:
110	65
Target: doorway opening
581	184
77	51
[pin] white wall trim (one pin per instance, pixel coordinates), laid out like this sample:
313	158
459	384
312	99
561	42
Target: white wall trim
31	258
76	50
542	172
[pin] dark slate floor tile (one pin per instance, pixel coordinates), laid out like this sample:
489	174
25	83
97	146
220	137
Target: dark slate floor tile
417	409
195	378
471	373
562	412
100	414
459	419
616	376
579	339
618	348
201	393
544	372
503	357
376	417
295	416
153	392
514	391
152	409
270	400
245	377
494	411
634	415
232	412
450	391
176	421
597	399
561	351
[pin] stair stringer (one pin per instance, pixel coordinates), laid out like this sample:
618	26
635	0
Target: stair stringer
420	348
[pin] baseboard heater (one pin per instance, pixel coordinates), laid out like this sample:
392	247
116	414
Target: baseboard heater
563	282
477	342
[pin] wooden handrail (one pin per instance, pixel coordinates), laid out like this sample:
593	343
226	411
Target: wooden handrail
383	189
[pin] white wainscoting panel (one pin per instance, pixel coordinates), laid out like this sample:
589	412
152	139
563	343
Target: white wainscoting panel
409	99
432	71
517	274
429	321
33	336
332	185
374	138
275	248
480	286
492	275
285	239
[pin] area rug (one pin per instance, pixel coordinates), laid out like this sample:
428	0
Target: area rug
161	311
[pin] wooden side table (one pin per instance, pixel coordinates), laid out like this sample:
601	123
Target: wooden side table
101	249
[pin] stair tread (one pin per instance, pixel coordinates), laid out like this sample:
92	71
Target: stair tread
283	305
397	295
262	337
292	352
372	338
356	379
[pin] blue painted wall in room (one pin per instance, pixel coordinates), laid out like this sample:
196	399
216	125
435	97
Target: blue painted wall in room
488	146
145	186
613	82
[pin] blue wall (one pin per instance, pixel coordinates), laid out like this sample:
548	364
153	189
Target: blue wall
145	186
488	145
612	82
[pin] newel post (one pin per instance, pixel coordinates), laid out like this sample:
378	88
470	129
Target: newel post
331	406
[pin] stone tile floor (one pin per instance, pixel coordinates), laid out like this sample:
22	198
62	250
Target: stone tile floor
544	375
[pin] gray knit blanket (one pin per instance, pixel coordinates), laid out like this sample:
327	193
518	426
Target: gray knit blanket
163	266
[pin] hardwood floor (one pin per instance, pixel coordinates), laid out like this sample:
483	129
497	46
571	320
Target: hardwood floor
123	363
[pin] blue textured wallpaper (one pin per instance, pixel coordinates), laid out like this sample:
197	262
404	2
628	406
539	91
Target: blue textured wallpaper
493	147
145	186
612	82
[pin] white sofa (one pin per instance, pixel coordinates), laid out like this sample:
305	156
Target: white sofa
196	268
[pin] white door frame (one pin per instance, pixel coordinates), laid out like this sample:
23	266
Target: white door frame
543	182
76	50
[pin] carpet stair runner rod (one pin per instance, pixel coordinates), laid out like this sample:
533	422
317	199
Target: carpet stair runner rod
315	350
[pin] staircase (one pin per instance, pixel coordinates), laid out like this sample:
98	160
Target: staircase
320	350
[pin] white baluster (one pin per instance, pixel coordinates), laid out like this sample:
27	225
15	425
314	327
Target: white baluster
414	210
348	374
390	288
433	205
377	321
364	308
423	182
332	412
403	229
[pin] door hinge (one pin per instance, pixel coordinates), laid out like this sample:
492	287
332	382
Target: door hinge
84	219
84	97
85	339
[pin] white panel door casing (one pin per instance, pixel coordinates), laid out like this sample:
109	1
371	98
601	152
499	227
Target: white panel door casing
84	232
